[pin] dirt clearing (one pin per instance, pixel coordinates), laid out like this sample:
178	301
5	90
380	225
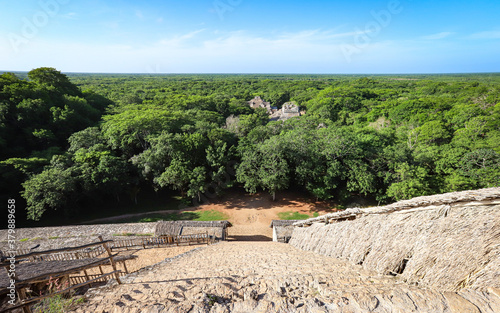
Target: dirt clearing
251	215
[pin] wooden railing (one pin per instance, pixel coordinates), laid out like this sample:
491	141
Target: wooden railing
67	256
157	242
43	256
85	252
17	252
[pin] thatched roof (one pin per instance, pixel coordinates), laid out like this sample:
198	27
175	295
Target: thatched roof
282	229
276	223
451	242
284	233
174	228
167	229
43	270
481	196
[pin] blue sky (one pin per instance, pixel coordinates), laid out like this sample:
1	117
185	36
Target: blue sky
251	36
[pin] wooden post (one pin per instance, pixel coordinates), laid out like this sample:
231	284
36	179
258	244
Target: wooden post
111	260
65	280
7	270
125	267
100	269
86	275
22	297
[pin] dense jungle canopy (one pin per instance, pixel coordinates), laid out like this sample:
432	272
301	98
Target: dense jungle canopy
69	141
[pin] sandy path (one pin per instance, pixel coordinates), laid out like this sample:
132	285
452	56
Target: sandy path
251	215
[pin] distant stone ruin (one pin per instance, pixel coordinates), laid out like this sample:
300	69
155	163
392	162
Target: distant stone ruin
288	110
258	102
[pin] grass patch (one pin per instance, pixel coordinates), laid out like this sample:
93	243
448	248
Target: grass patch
291	215
211	215
54	237
123	234
24	239
57	304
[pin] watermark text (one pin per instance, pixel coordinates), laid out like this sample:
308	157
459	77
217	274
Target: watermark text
31	25
364	36
11	241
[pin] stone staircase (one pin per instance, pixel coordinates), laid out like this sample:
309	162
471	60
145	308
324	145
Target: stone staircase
273	277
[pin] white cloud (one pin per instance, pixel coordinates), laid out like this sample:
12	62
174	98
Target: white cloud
437	36
203	51
70	16
112	25
493	34
197	51
179	40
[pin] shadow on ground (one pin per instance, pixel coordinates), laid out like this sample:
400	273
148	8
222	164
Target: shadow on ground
249	238
238	199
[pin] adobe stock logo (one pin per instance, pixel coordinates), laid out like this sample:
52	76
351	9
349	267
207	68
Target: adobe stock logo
31	26
363	37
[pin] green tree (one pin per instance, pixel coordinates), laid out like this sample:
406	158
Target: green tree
412	181
218	159
482	167
176	176
248	169
50	77
197	182
53	189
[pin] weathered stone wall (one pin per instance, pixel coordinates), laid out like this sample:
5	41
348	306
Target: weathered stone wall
449	247
69	236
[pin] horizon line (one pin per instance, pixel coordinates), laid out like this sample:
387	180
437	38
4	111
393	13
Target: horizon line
235	73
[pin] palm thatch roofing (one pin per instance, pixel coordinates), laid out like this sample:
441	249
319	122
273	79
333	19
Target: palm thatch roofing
282	230
448	242
168	229
282	223
29	272
174	228
453	198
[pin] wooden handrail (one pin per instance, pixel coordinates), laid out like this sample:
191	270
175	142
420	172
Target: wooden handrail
28	301
24	256
110	256
56	274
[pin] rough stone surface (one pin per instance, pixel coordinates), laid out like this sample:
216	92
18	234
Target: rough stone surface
273	277
72	236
